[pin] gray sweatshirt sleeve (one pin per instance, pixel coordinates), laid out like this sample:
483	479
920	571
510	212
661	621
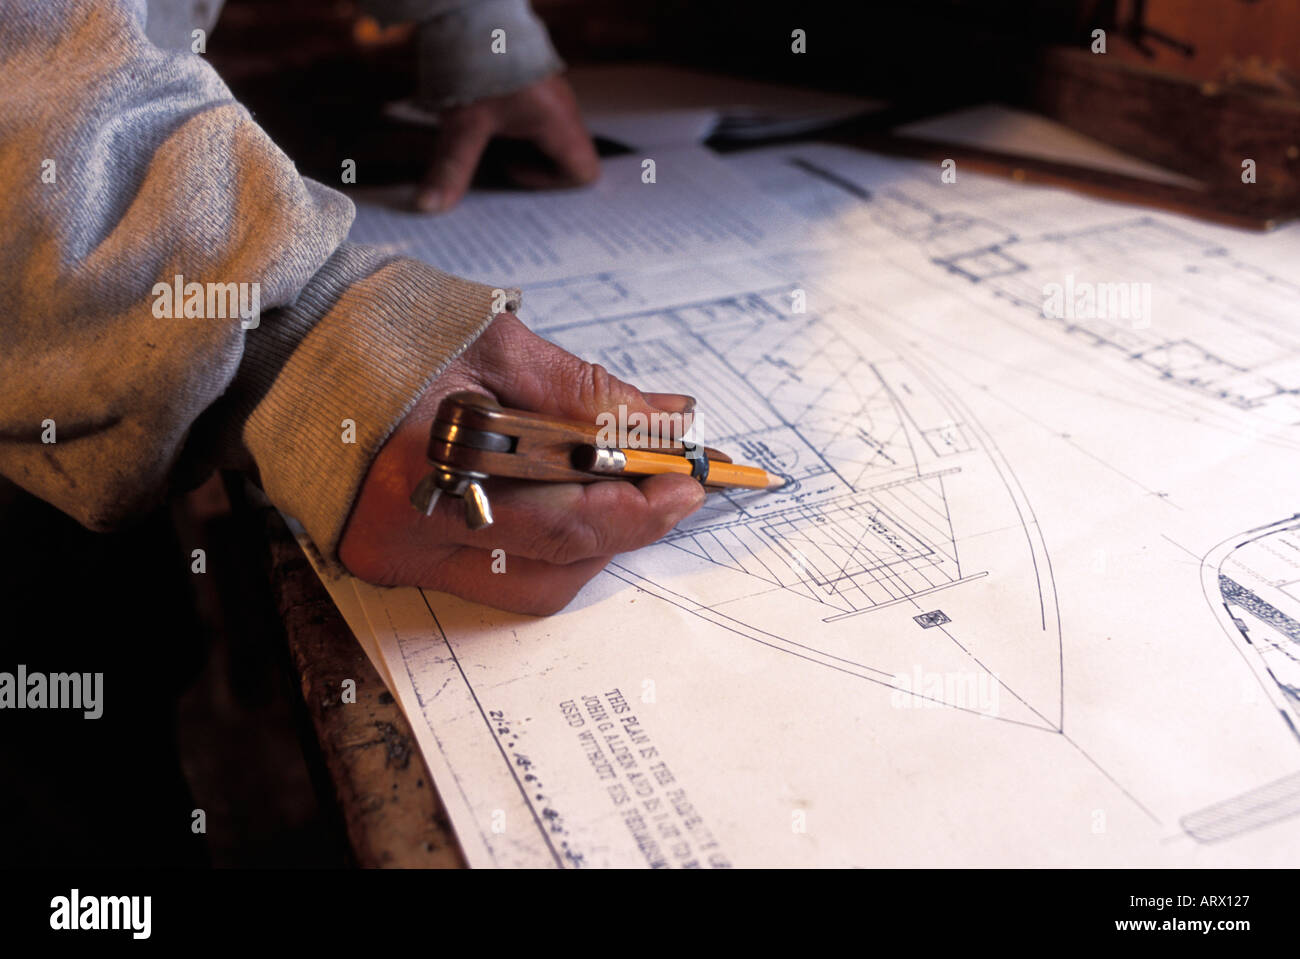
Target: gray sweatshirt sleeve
126	167
471	49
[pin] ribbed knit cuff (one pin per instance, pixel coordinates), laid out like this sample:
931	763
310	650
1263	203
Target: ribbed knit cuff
326	380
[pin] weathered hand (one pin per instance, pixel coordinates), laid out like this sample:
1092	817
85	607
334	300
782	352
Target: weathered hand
545	114
556	536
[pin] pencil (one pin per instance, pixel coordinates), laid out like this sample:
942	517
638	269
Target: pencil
595	459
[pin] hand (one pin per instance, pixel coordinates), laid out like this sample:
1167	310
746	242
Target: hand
545	113
556	536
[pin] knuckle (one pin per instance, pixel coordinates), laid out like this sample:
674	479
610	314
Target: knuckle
598	389
593	385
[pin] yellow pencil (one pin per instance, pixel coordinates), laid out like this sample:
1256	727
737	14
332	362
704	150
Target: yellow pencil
595	459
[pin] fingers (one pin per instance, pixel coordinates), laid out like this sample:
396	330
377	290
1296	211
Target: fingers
527	372
530	176
672	402
527	586
461	142
563	523
547	114
555	538
569	145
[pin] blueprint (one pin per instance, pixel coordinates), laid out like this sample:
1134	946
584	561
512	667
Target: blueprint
633	215
1030	594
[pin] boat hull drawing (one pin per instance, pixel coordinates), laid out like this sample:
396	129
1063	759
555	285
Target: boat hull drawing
1252	583
899	523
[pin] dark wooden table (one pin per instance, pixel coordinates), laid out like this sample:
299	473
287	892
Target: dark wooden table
392	812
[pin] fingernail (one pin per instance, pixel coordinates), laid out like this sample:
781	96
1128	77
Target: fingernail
672	402
429	201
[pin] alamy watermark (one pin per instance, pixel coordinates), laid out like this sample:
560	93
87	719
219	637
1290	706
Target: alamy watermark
208	301
1083	300
77	912
975	690
635	430
24	690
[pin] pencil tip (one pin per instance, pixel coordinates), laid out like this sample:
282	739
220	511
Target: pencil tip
775	482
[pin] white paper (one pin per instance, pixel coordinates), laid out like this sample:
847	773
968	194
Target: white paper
1033	598
687	207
